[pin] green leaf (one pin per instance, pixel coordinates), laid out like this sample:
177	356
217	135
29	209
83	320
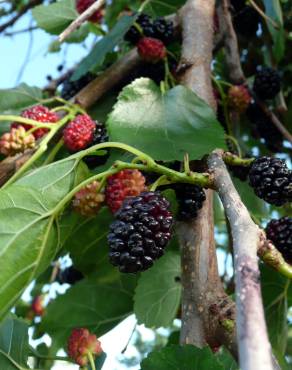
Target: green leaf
29	236
158	292
275	294
96	306
55	17
185	357
274	11
88	246
164	7
79	35
164	126
105	45
225	358
14	100
14	346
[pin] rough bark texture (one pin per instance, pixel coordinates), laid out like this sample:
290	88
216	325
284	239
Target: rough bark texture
253	342
230	43
204	302
197	30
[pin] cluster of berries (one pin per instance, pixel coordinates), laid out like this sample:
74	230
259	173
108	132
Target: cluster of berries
19	139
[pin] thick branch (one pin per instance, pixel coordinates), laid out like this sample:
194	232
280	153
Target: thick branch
230	43
81	19
106	81
254	346
202	288
197	30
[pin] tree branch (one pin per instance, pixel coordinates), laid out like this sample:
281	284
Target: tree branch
81	19
252	337
230	43
20	13
106	81
202	288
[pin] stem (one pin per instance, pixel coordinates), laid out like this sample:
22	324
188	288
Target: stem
43	147
161	181
233	160
235	142
24	120
54	152
91	360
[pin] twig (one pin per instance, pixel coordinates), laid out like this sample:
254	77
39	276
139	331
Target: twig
20	13
272	257
275	120
81	19
252	337
52	86
230	43
29	29
263	14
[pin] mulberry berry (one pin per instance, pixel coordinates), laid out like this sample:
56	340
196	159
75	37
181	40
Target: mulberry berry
124	184
163	30
271	180
267	83
140	233
71	88
280	234
37	305
38	113
16	141
246	22
79	133
69	275
88	200
80	343
190	200
239	98
151	50
145	23
100	136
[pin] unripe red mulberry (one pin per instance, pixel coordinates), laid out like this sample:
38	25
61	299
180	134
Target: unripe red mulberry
37	305
16	141
239	98
79	133
80	343
38	113
151	50
82	5
124	184
88	200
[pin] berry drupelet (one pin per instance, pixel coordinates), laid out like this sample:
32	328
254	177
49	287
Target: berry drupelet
140	233
280	234
271	180
267	83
